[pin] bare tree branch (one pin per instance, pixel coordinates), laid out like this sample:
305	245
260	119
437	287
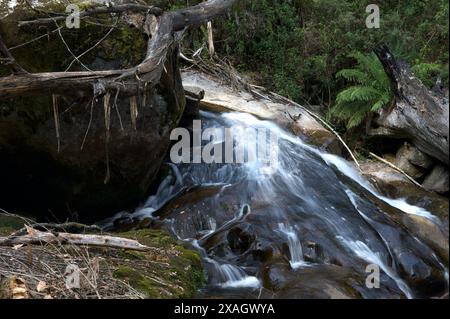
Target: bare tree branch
10	61
96	11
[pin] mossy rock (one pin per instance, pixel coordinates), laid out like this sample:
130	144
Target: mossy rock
168	271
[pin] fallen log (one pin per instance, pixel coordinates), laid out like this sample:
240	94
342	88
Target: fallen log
419	114
130	81
37	237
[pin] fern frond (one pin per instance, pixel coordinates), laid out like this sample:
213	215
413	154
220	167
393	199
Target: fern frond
353	75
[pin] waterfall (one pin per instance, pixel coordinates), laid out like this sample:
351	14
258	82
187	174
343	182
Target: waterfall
241	217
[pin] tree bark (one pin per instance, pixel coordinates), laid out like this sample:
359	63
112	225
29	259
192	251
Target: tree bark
419	114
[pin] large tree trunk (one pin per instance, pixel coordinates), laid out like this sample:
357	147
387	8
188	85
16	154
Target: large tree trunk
419	114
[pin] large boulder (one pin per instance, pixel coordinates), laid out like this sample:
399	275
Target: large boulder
95	181
412	161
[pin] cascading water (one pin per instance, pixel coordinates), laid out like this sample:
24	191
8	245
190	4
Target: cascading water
307	227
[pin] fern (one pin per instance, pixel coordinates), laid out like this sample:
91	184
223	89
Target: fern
369	93
427	72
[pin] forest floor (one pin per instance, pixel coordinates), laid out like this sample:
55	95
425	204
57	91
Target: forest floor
167	270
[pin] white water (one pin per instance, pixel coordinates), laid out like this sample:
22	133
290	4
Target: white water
400	203
363	251
303	182
295	247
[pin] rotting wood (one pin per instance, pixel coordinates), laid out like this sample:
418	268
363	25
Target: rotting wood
419	114
37	237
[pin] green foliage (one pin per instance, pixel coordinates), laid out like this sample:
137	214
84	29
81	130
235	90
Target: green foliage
370	90
427	72
296	47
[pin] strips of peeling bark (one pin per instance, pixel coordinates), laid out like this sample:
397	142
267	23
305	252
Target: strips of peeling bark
98	82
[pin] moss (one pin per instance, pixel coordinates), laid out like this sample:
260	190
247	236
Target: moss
138	281
132	254
169	270
9	224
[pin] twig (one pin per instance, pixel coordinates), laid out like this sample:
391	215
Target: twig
56	117
89	124
91	48
96	11
396	168
35	39
68	48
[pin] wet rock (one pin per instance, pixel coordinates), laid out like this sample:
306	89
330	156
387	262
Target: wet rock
240	239
430	233
312	252
422	278
437	180
222	98
318	282
394	185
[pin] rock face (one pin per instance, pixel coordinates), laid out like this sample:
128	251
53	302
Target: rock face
102	177
437	180
412	161
222	98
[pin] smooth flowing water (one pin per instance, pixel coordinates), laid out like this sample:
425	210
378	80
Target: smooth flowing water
309	227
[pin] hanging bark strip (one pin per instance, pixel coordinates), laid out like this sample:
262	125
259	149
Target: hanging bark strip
56	118
211	48
107	109
133	111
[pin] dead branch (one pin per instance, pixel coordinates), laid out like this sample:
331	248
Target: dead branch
131	7
97	83
68	227
36	237
9	59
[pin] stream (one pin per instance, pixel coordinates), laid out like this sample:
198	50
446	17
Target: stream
312	227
